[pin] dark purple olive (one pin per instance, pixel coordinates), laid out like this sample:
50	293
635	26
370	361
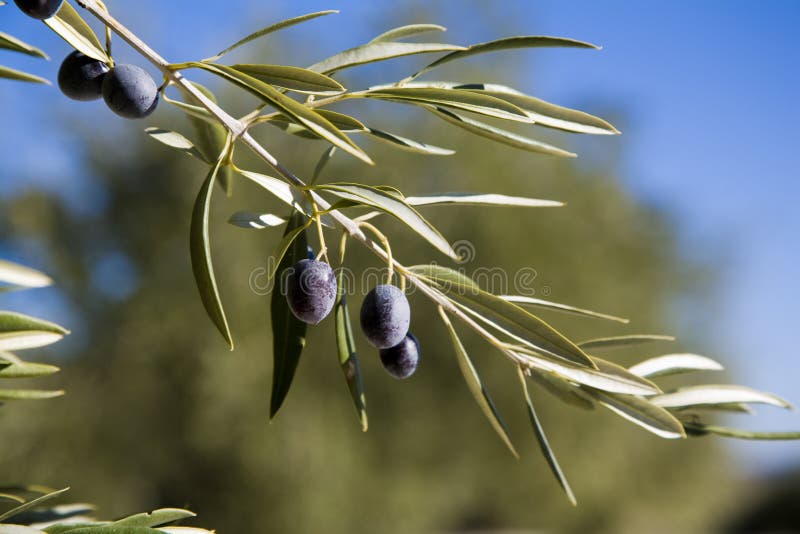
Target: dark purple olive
81	77
311	290
130	92
39	9
385	316
401	360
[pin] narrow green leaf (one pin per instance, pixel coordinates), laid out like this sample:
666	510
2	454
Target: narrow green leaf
9	42
513	319
409	144
507	43
288	332
539	111
622	341
280	189
693	396
18	331
177	141
557	306
348	358
211	138
498	134
18	75
669	364
545	113
562	389
476	386
345	123
481	199
31	504
246	219
407	31
305	116
698	429
112	529
13	367
200	251
18	529
391	204
322	163
283	247
293	78
587	376
154	518
270	29
463	100
11	497
541	437
643	413
28	394
69	25
19	275
611	368
62	514
377	51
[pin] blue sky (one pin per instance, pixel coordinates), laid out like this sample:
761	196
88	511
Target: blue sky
709	94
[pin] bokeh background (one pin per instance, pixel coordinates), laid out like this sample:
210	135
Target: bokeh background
686	223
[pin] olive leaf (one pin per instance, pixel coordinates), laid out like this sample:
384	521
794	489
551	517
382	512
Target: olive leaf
391	204
348	358
377	51
507	43
13	367
463	100
13	74
541	437
69	25
9	42
18	331
246	219
292	78
19	275
270	29
476	387
410	30
622	341
498	134
211	138
669	364
200	251
31	504
641	412
288	332
709	395
564	308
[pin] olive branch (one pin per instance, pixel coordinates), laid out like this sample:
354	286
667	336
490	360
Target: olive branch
538	352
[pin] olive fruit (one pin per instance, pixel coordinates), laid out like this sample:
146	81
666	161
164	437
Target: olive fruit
401	360
39	9
81	77
310	290
385	316
130	92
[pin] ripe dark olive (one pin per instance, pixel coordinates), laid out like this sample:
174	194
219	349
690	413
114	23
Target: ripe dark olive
130	92
81	77
401	360
311	290
39	9
385	316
